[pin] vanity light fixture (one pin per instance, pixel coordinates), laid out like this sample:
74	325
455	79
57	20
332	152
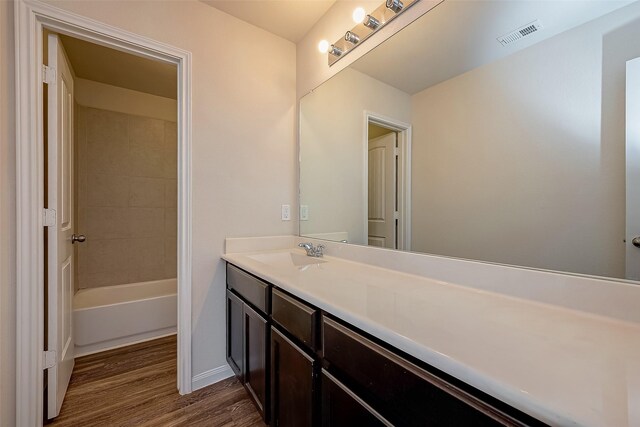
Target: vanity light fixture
351	37
371	22
366	26
395	5
335	50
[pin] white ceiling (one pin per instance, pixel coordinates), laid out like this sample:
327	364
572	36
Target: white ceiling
457	36
113	67
460	35
290	19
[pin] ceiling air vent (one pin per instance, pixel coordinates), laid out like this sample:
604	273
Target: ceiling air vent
521	32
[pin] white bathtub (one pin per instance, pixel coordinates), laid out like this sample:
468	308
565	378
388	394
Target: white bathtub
114	316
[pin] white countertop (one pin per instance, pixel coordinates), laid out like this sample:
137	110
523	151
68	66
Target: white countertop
561	366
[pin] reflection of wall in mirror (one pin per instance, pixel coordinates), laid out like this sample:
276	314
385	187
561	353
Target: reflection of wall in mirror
522	161
333	150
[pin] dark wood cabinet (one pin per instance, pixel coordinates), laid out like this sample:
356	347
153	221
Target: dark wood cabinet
248	331
256	341
304	368
235	334
293	386
342	408
401	392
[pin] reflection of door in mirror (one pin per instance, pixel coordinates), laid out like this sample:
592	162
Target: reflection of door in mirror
633	169
382	179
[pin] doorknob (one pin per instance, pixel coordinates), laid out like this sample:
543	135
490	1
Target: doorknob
636	242
78	238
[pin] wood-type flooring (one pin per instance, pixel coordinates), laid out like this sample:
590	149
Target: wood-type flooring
136	386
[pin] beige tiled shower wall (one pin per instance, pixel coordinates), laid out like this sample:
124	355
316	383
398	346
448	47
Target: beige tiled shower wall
127	197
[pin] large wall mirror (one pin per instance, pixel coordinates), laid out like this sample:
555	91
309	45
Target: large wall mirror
498	131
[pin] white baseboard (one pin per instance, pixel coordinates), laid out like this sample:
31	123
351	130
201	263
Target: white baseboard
211	376
99	347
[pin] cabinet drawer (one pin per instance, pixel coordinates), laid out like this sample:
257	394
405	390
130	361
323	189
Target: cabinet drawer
252	289
401	392
297	318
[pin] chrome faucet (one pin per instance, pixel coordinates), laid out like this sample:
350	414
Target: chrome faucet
314	251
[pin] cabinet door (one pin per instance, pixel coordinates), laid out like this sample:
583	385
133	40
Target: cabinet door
292	383
256	340
342	408
235	334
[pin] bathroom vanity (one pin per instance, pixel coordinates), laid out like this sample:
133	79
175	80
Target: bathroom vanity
329	341
499	157
315	368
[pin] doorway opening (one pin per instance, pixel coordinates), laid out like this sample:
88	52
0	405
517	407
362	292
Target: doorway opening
388	182
110	139
33	20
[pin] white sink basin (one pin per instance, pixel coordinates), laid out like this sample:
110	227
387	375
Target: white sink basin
287	259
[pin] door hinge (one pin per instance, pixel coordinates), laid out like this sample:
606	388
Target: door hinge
49	359
49	217
396	215
48	74
396	151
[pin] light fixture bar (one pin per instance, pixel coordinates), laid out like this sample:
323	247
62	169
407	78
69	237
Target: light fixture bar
372	23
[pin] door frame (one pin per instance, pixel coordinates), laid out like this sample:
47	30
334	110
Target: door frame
404	174
31	18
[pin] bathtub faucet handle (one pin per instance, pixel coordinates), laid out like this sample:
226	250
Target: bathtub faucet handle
78	238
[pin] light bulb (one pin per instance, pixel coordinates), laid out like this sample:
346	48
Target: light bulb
358	15
323	46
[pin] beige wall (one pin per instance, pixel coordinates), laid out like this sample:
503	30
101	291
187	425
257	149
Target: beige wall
243	103
522	161
333	154
376	131
126	198
114	98
7	218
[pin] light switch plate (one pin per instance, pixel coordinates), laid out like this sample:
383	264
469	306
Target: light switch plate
304	212
286	212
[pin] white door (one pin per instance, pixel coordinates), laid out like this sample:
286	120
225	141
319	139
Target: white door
60	259
382	191
633	170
